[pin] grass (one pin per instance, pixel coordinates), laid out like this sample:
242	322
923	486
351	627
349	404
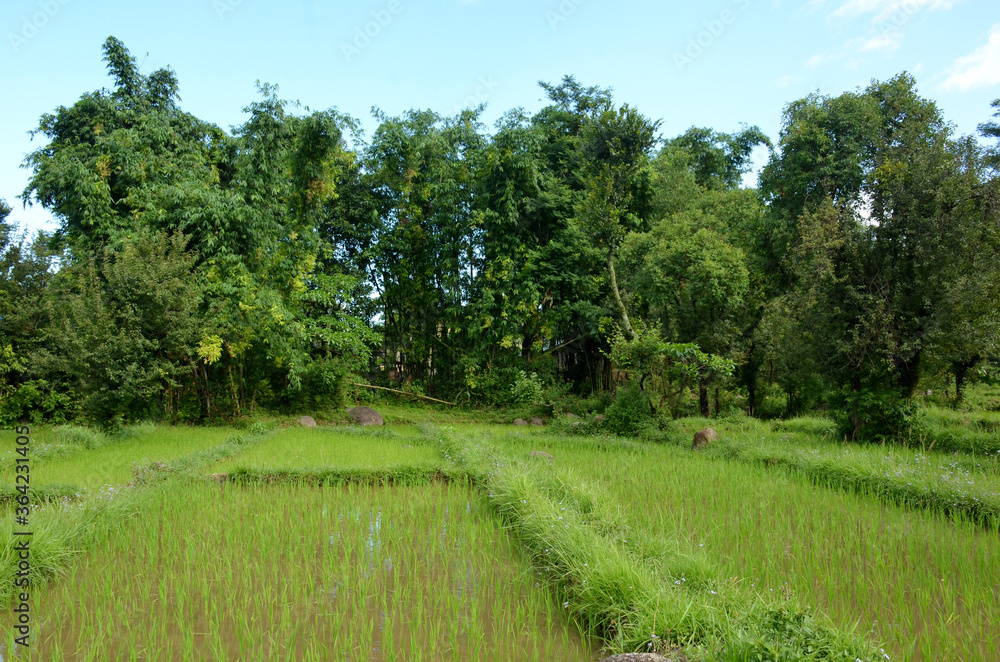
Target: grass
637	587
961	485
923	583
300	448
295	573
89	460
647	546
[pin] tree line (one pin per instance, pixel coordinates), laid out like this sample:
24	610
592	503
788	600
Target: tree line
201	274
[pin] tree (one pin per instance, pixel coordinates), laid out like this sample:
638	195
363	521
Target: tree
881	206
719	160
992	130
26	271
126	327
616	146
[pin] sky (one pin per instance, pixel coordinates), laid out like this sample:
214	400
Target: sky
718	64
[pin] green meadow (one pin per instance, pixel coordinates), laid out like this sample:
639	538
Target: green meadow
451	541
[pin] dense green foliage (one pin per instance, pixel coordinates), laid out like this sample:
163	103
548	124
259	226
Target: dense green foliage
202	274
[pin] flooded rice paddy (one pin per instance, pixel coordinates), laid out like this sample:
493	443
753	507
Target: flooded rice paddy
297	573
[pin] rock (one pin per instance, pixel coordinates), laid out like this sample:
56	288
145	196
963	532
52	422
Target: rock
703	438
537	421
219	478
646	657
365	416
542	454
599	418
570	416
307	421
520	421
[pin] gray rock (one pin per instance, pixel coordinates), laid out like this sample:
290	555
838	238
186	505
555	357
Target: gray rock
537	421
543	455
599	418
645	657
365	416
570	416
307	421
520	421
219	478
703	438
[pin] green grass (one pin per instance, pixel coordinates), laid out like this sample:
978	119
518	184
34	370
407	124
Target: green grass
961	485
111	461
296	573
921	582
302	448
645	545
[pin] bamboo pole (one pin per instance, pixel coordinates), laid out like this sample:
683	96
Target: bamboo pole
392	390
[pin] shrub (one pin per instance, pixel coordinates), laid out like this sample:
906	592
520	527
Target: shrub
877	415
629	414
527	389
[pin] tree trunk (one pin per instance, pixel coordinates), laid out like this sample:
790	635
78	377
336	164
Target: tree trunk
626	325
961	370
703	397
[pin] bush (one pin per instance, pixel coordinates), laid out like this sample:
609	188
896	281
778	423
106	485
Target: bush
526	389
877	415
629	414
504	387
38	401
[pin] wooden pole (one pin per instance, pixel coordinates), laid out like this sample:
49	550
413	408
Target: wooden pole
392	390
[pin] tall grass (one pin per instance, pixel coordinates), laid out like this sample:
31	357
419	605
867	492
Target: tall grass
922	582
639	588
293	573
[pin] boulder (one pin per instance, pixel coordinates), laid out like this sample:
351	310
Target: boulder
365	416
703	438
219	478
520	421
646	657
599	418
307	421
543	455
537	421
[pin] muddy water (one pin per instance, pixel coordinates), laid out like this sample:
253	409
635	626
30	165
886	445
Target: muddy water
306	574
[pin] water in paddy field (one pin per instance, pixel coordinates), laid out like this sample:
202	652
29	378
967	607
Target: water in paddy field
306	573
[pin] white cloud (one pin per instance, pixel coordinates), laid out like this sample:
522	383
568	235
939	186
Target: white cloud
888	41
881	23
821	59
784	81
981	68
896	11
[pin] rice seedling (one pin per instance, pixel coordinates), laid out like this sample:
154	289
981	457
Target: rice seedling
295	572
920	582
301	448
113	463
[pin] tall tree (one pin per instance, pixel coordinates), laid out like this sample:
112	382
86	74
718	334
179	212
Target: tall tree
616	147
875	184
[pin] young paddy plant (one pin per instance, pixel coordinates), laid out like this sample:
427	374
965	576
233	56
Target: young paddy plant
922	582
292	572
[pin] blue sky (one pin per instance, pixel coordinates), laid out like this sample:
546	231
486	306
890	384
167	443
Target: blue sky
715	64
